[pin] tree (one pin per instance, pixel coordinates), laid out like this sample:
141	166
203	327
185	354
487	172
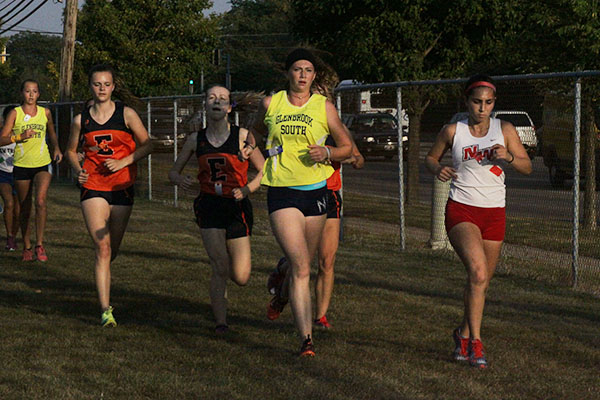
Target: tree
256	34
32	56
571	33
388	40
156	45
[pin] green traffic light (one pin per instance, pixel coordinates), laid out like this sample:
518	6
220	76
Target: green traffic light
191	81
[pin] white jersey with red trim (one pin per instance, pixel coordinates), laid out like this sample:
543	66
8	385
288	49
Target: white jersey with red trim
479	181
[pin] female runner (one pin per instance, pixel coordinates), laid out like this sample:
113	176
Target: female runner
27	126
482	148
297	122
223	210
114	140
7	191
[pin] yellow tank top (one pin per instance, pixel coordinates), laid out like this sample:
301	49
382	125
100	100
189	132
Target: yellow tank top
294	128
34	152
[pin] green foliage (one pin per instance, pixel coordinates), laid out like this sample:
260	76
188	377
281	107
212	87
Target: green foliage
32	55
156	45
257	36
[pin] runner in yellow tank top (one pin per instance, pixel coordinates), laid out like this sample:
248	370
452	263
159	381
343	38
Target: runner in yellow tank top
299	120
27	126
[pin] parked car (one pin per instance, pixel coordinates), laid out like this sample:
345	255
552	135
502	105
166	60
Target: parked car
522	123
558	139
376	134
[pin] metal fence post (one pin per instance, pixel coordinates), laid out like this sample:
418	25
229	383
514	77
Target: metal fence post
149	108
338	103
58	132
576	156
175	202
400	168
236	118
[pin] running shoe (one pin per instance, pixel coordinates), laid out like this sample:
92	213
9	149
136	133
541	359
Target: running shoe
276	278
322	322
476	354
275	307
461	346
107	319
221	329
40	253
11	243
27	255
307	349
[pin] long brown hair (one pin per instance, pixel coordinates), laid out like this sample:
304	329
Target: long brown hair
326	79
121	91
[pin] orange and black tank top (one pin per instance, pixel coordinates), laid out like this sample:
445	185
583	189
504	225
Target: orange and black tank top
219	169
113	139
334	182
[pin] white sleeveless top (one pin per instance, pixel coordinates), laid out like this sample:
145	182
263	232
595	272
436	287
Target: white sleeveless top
7	155
479	181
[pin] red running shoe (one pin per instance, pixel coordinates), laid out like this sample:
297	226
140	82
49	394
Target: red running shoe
461	346
476	354
27	255
276	278
307	349
11	243
322	322
40	253
275	307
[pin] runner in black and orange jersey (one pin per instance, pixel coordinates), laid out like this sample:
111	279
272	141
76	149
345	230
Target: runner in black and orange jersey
223	210
114	140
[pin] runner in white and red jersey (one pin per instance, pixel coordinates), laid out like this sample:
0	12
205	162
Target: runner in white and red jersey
482	147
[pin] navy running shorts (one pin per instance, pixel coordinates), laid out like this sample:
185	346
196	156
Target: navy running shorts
309	202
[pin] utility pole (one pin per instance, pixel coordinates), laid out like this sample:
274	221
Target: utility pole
67	54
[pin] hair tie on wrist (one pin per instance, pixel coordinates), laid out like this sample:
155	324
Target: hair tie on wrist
328	152
513	157
248	144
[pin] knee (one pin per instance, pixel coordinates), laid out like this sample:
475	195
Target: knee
40	204
240	279
326	264
301	272
478	277
103	250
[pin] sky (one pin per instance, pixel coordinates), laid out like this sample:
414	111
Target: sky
48	19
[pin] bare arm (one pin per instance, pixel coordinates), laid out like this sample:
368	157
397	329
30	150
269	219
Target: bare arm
356	158
258	132
51	133
189	148
514	153
142	139
6	137
71	151
442	143
343	144
257	160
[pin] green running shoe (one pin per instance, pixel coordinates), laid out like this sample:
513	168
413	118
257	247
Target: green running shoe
107	318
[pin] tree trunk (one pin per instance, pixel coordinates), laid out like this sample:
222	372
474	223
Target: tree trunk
67	55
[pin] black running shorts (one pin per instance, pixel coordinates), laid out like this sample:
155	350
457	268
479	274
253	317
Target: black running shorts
224	213
309	202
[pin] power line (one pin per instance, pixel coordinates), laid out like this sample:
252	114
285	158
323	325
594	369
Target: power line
30	30
8	5
24	18
4	21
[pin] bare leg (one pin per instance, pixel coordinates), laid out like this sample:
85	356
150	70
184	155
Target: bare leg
479	257
298	236
325	278
24	193
214	243
42	183
11	208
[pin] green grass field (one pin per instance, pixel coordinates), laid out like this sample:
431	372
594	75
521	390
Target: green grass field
393	313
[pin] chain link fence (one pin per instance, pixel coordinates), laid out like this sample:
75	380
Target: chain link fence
552	214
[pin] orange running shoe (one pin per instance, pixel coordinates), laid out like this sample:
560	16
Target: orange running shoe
275	307
322	322
27	255
40	253
307	349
